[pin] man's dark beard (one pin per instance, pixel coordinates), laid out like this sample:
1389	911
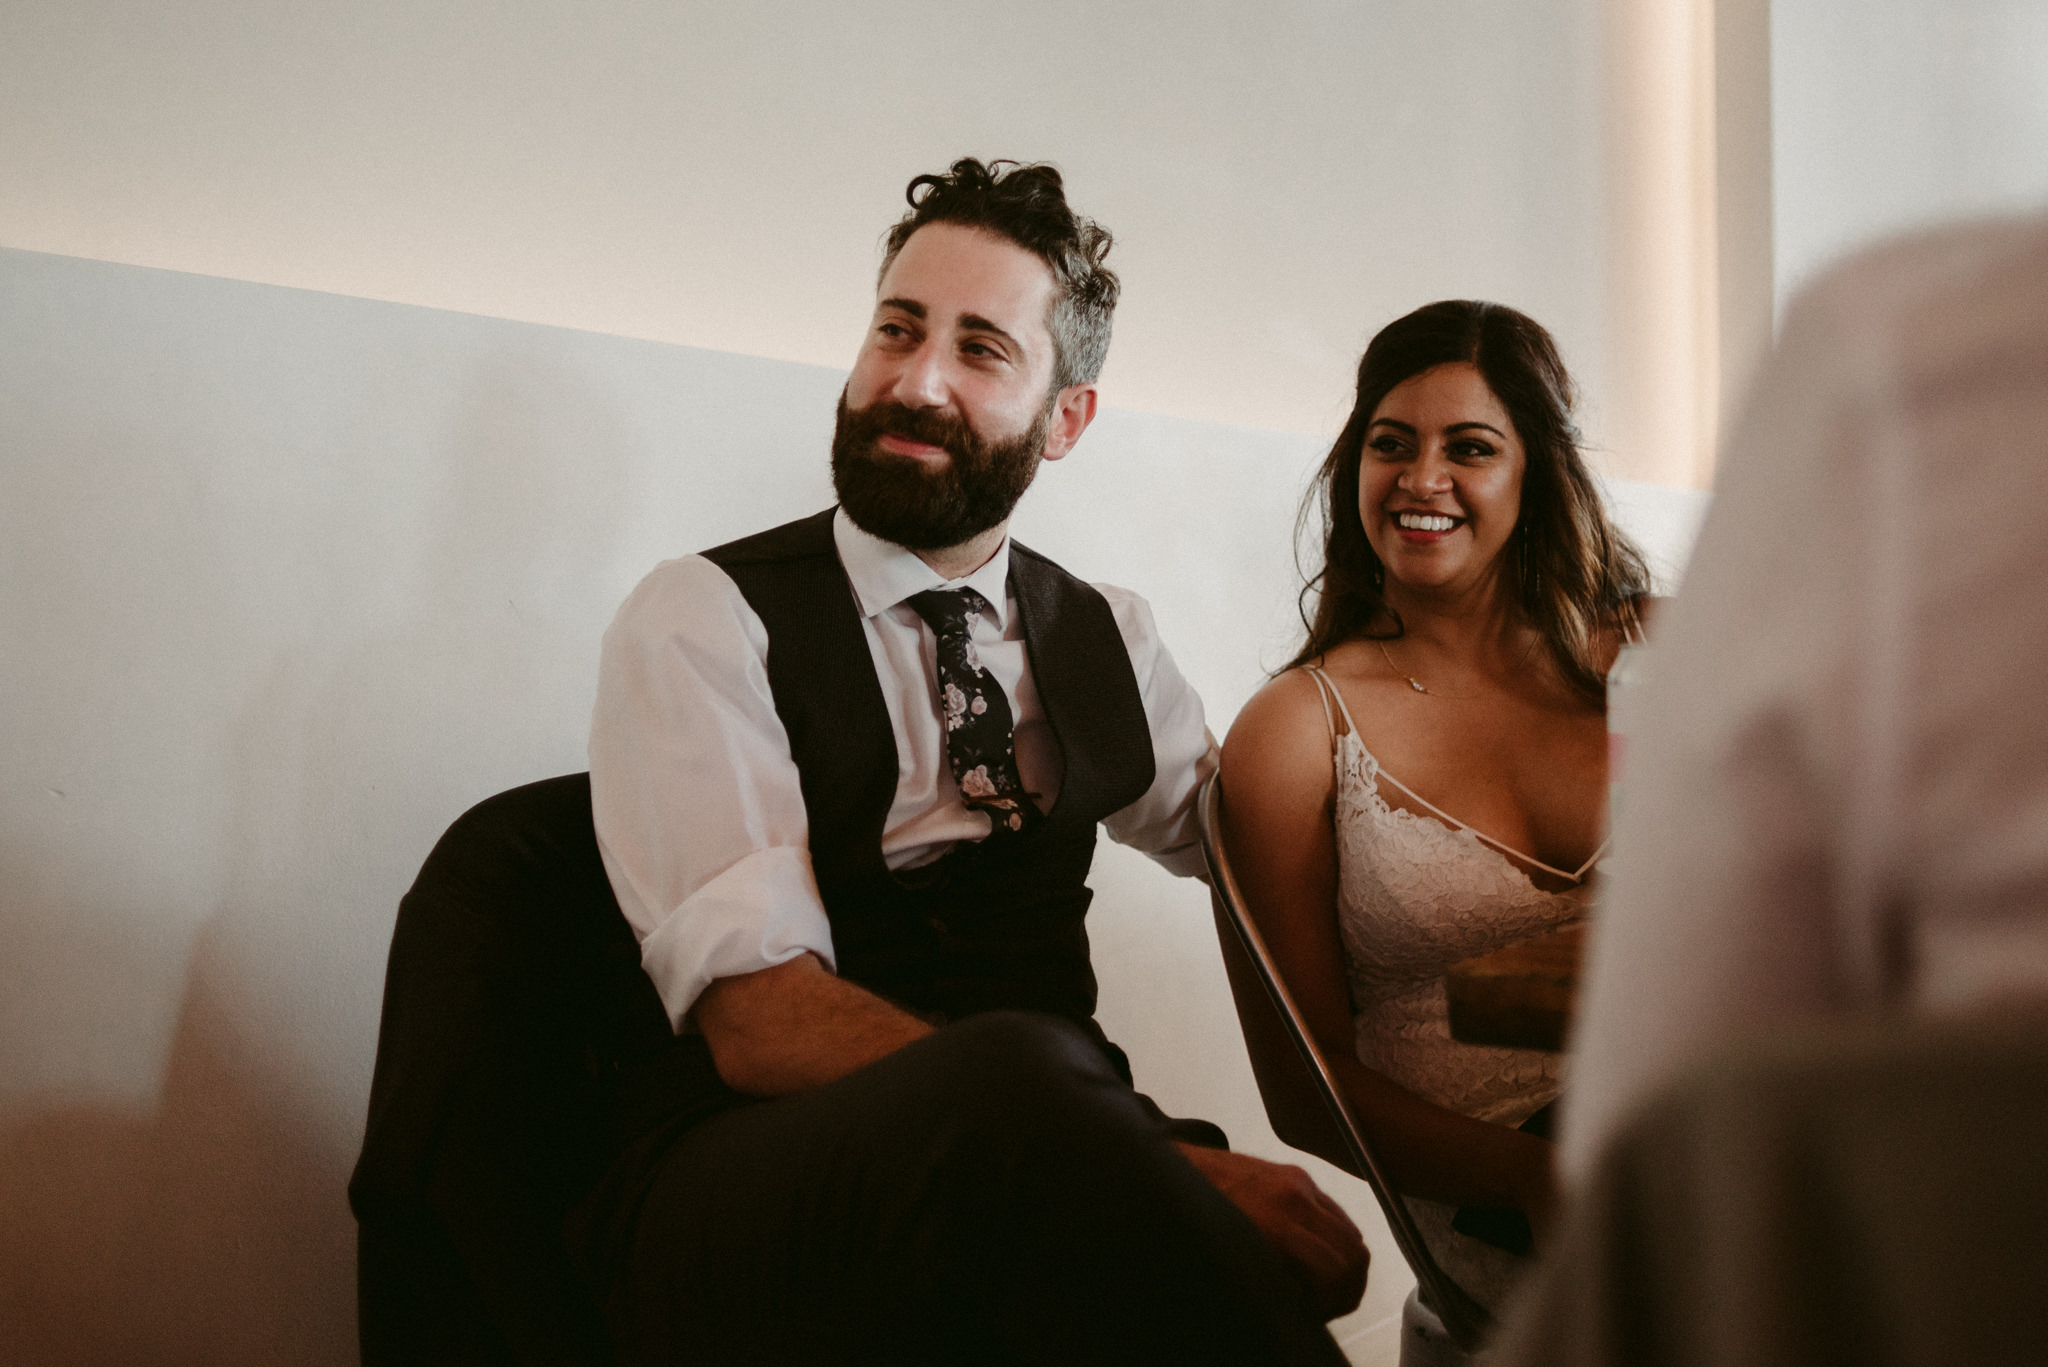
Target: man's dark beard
902	500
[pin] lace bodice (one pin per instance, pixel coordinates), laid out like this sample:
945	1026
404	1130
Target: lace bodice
1416	895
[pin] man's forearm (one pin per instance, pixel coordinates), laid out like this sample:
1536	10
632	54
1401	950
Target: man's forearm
795	1026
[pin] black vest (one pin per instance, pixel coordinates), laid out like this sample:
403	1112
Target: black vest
985	927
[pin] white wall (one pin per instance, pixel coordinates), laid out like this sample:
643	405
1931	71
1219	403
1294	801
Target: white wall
287	580
1284	178
1889	115
290	581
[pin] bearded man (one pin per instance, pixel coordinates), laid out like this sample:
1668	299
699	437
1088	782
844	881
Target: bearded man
846	777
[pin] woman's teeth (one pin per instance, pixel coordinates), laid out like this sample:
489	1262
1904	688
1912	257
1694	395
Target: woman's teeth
1425	522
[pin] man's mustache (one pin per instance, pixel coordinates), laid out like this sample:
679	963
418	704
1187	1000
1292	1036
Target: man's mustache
930	426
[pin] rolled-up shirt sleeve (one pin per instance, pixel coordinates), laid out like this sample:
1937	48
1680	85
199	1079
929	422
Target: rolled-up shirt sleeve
700	816
1162	822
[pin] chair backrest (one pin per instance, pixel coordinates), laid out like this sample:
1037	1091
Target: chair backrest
1303	1102
513	995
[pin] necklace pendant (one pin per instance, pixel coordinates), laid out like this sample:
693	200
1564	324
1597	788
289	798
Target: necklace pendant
1415	683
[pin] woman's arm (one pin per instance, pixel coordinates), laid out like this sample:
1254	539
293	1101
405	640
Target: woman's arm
1279	793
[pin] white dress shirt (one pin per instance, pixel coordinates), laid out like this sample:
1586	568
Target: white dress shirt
1837	798
700	817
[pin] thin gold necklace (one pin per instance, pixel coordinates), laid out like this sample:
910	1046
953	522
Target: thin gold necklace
1416	683
1413	682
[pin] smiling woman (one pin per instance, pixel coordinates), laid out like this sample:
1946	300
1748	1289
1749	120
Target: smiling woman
1440	482
1494	375
1472	597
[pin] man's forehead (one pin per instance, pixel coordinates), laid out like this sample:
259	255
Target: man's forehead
950	273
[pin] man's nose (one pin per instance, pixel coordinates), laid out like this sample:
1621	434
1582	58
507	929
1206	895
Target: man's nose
921	380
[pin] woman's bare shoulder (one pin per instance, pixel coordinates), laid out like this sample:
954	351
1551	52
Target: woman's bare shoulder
1286	703
1280	737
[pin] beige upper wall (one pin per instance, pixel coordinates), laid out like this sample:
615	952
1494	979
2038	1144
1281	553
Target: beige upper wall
1895	114
1283	178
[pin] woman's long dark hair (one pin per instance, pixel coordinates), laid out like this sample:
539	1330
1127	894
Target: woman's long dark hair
1576	571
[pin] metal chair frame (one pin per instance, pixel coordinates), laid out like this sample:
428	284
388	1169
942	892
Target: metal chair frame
1297	1098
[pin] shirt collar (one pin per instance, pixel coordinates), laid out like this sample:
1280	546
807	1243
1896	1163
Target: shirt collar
883	573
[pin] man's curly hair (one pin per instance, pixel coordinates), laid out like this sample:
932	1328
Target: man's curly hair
1027	205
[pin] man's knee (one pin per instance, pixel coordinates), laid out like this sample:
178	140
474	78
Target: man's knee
1029	1071
1029	1048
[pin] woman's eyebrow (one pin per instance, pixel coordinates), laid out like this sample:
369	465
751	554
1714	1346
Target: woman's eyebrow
1482	426
1396	423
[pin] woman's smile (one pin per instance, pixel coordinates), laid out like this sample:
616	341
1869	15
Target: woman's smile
1419	528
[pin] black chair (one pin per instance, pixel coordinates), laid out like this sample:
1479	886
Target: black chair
513	997
1300	1093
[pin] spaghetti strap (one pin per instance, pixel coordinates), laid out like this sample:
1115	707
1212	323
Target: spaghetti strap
1634	634
1323	692
1503	847
1327	687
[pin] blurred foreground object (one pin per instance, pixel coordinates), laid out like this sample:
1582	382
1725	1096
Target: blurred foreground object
1838	756
1869	1194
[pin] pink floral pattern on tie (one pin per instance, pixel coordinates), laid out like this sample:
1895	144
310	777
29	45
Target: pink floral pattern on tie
981	741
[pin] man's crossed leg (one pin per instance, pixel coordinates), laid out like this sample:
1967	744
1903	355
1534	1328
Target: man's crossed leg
992	1193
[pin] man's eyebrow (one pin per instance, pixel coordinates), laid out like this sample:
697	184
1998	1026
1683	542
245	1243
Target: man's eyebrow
974	322
971	322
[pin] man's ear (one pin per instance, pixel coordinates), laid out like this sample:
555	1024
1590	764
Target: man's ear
1072	411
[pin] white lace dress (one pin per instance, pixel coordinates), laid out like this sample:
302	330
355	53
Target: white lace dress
1415	895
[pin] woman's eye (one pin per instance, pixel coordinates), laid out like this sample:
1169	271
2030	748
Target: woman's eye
1471	450
1386	446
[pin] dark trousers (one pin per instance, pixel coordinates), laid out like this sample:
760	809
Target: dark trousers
992	1194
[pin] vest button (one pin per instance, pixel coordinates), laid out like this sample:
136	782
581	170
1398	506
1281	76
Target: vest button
937	923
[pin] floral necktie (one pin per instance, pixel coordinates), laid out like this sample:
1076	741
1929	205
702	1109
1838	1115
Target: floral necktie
981	737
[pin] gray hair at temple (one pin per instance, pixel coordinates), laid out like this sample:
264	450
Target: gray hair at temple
1027	205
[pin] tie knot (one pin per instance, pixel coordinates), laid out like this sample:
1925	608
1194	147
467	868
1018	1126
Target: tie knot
946	610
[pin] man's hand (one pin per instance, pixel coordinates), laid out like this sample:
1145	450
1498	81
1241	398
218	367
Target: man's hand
1309	1229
